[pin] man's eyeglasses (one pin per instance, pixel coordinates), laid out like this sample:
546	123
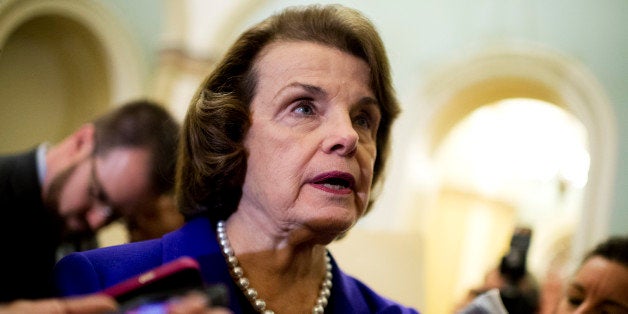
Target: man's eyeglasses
99	196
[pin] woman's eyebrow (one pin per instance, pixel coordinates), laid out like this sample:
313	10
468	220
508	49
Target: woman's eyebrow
614	303
316	90
368	101
311	88
577	286
319	91
364	101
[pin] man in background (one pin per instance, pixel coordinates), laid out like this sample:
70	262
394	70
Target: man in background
120	165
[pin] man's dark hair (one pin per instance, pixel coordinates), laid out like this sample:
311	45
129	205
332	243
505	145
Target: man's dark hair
142	124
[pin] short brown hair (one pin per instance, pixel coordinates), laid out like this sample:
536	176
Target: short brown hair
212	159
144	124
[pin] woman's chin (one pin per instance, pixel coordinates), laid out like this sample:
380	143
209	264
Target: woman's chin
331	227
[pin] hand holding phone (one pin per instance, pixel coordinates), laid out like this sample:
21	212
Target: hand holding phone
210	300
154	291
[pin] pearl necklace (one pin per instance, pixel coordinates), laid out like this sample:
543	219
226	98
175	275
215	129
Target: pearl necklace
237	273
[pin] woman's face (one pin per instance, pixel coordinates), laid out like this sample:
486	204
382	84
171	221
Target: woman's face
311	142
599	286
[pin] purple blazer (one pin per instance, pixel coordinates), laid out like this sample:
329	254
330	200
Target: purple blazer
92	271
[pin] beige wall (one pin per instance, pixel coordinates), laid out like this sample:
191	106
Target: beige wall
388	262
53	78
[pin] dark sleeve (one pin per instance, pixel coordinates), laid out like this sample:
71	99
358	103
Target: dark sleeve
75	275
29	233
94	270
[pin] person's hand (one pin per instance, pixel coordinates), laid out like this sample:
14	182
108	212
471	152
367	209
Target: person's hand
194	303
91	304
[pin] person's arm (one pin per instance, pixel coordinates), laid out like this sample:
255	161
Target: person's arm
100	303
91	304
75	275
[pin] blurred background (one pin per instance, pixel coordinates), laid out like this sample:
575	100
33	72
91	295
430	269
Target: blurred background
513	115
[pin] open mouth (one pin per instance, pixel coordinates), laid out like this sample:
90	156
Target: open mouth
335	181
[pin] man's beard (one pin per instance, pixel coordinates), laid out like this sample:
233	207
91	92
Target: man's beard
52	200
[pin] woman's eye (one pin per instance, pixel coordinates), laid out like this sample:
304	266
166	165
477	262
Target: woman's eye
574	301
363	120
304	107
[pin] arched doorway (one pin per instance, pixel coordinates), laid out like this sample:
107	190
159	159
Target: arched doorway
61	63
49	68
507	72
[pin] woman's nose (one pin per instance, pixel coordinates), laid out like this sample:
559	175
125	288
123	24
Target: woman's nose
341	137
585	308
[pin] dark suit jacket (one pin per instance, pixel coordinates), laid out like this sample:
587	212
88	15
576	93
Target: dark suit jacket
29	234
92	271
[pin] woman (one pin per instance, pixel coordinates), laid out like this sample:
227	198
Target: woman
280	148
601	283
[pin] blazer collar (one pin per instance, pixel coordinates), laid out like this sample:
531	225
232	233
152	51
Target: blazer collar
195	238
